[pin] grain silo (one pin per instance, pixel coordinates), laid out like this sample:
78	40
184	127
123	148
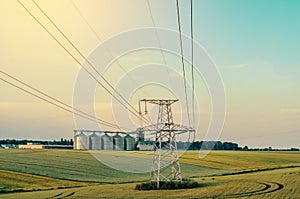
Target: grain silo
129	143
95	142
140	135
81	141
118	142
107	143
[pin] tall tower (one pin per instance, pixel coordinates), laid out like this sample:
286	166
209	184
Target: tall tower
165	162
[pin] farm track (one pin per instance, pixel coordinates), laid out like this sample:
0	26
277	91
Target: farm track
55	196
61	195
266	189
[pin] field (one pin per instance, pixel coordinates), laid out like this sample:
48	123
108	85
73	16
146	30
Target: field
77	174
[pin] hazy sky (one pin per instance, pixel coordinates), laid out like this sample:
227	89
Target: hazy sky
254	43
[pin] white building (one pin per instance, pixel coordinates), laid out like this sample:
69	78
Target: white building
146	146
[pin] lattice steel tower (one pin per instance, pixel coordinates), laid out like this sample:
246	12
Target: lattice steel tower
165	163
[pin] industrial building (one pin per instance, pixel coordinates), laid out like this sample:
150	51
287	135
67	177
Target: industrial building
104	140
43	146
145	146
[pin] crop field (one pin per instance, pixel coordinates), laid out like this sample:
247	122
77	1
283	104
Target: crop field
77	174
21	182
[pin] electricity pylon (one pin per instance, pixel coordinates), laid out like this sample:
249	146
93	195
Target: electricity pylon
165	161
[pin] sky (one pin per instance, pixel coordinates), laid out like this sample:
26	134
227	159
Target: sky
254	44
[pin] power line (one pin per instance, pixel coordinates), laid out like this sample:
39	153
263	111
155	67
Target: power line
73	56
86	21
193	80
59	101
100	40
182	61
59	106
78	60
84	57
159	42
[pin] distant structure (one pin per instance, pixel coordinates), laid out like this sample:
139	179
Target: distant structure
165	164
80	141
129	143
43	146
104	140
146	145
118	143
95	142
140	135
8	146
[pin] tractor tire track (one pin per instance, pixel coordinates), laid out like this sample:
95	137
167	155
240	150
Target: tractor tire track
265	190
55	196
279	187
61	195
70	194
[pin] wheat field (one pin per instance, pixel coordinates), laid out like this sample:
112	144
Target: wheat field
77	174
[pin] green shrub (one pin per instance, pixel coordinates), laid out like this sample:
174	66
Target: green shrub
175	184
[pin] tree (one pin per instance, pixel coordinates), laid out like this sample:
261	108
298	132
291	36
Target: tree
218	146
245	148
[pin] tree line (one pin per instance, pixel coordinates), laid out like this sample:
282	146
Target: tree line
218	145
208	145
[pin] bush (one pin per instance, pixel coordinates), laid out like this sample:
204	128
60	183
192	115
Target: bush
175	184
